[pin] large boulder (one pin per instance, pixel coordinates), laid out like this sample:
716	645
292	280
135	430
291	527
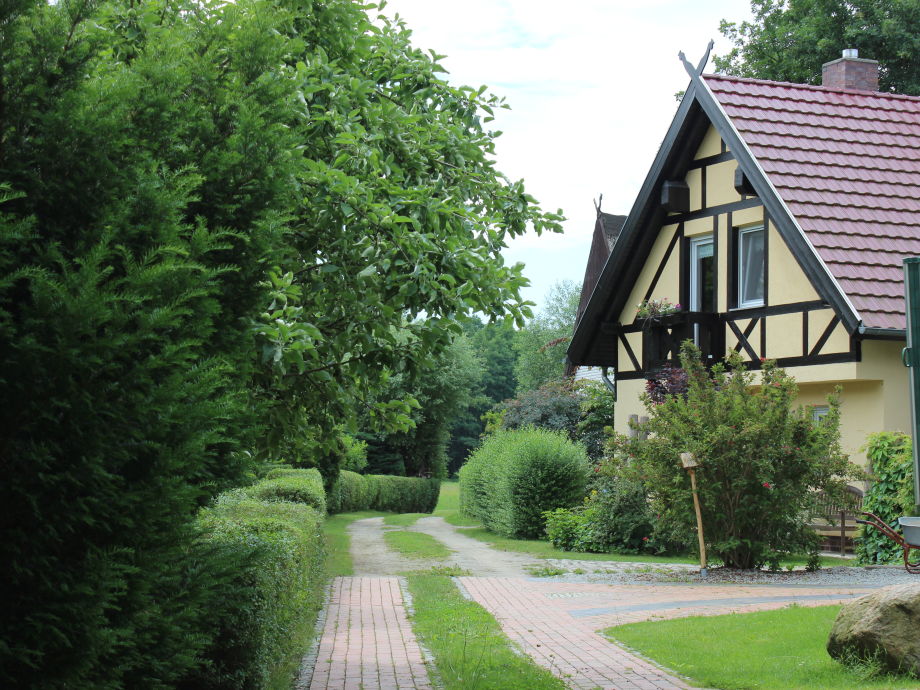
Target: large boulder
884	625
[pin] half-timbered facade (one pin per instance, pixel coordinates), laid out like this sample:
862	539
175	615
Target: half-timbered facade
777	216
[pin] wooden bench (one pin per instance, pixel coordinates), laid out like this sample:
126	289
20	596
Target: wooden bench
836	524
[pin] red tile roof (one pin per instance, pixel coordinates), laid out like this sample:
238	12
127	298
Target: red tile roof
847	164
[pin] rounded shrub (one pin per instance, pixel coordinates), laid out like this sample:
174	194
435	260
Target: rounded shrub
297	486
519	474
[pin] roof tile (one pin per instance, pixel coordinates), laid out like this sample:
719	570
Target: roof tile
847	164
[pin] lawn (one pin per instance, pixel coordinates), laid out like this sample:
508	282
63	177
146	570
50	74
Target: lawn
469	648
768	649
416	545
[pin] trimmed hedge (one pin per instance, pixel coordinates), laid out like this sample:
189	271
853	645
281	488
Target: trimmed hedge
298	486
517	475
388	493
265	614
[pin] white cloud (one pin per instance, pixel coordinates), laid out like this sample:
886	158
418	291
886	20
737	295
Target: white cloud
591	84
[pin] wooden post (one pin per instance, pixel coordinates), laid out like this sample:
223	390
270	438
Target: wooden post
689	462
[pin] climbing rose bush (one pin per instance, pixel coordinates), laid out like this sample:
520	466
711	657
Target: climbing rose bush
761	460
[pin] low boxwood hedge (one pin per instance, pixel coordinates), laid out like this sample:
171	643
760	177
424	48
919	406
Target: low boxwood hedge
517	475
383	492
298	486
266	611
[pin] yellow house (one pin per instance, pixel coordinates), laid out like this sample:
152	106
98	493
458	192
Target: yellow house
777	216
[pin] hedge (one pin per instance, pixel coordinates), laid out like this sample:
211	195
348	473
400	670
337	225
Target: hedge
298	486
517	475
388	493
264	616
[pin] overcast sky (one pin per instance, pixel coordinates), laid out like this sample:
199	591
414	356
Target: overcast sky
591	85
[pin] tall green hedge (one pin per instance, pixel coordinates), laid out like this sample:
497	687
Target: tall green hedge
383	492
264	616
890	496
516	475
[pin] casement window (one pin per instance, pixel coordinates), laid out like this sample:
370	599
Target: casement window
751	267
819	412
702	275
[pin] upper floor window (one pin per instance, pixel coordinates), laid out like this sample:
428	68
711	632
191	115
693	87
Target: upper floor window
702	275
750	267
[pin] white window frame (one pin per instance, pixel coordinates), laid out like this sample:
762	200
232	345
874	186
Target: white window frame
741	233
695	244
819	412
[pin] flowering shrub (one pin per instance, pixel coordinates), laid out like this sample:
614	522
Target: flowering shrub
760	460
653	308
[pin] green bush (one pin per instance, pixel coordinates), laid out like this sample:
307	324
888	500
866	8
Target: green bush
760	460
564	527
890	496
615	517
517	475
264	616
297	486
355	459
383	492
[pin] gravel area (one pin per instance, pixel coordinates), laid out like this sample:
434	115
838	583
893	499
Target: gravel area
645	573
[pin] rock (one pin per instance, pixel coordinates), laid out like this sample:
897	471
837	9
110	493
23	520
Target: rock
883	625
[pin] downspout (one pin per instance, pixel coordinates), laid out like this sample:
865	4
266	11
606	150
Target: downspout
611	385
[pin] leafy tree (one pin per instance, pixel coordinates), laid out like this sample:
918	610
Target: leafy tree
441	392
494	346
540	345
217	219
760	460
789	40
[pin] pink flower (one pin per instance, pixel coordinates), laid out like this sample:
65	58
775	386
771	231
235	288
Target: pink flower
644	538
767	485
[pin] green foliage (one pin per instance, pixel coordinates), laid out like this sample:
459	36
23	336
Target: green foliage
540	345
216	219
442	389
554	405
615	517
355	459
580	409
789	40
760	460
297	486
596	417
264	616
890	496
353	492
517	475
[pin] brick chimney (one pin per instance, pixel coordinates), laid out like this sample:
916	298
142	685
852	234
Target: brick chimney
850	72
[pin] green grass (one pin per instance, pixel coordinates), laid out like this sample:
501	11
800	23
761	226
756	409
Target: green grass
469	648
403	519
416	545
338	558
768	649
449	506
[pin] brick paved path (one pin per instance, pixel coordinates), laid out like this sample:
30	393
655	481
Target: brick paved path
367	642
555	622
